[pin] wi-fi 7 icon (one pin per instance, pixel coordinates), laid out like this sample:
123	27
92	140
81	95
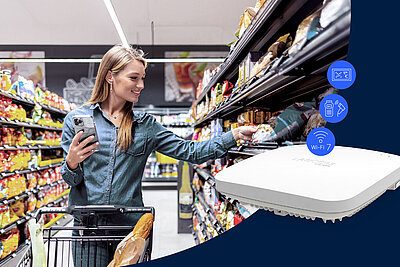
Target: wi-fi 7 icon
320	135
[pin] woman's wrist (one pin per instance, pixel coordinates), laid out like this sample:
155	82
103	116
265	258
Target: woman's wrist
71	165
235	133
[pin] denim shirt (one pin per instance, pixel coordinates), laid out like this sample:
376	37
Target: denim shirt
113	177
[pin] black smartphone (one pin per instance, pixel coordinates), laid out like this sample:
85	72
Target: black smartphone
86	124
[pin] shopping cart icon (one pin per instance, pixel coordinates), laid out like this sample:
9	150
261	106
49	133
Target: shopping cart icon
341	74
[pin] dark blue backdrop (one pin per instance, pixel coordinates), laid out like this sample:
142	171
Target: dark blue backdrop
370	237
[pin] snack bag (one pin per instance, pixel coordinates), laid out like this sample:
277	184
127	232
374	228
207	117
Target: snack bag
131	247
10	242
31	180
30	204
18	208
4	215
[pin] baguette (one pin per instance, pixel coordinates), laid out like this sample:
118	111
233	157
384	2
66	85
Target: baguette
129	250
143	227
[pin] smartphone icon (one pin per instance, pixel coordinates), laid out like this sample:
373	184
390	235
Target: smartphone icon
328	108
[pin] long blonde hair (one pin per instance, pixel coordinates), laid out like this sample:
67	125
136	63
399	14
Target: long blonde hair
115	60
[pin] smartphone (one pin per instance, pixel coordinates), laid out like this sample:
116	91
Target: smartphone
86	124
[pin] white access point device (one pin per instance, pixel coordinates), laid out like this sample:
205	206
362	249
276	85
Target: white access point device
293	181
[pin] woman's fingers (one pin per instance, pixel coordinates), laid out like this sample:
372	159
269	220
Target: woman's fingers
89	148
86	141
75	140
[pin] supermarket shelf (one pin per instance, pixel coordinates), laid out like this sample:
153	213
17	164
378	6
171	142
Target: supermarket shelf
29	192
195	237
269	20
206	175
22	220
177	125
159	185
160	179
216	223
201	223
26	101
15	258
7	261
301	74
6	147
7	121
7	174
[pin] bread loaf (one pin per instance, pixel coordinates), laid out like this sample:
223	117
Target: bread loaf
143	226
131	247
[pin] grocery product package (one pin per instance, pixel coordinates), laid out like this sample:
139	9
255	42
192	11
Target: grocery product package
264	133
10	242
292	119
331	10
275	50
307	29
18	207
246	19
131	247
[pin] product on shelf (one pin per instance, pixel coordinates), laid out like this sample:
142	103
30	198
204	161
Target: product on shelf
331	11
264	133
9	242
18	207
24	88
307	29
246	19
4	216
16	185
5	80
274	51
292	119
30	203
4	102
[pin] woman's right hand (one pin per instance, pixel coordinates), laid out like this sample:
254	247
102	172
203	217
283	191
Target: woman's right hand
78	152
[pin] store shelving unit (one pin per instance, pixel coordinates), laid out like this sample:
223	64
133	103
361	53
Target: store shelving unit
287	79
41	166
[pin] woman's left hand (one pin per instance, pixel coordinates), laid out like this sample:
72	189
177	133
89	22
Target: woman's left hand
244	132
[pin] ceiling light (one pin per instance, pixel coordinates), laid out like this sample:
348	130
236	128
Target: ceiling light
115	20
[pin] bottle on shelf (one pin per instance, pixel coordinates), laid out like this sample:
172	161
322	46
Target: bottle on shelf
185	194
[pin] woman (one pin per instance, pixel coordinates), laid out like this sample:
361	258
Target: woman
110	171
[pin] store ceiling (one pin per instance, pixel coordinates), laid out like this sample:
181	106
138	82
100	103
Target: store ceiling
87	22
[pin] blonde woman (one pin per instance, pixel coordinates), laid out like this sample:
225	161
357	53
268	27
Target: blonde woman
110	171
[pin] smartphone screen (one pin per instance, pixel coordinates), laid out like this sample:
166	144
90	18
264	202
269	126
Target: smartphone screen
86	124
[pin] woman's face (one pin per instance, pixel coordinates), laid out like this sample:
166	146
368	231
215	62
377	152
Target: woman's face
129	82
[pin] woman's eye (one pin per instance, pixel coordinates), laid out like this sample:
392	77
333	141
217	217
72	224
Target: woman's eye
134	78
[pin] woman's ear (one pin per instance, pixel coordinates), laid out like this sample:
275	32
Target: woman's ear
109	77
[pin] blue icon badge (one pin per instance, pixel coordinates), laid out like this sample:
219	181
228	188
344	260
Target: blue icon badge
333	108
320	141
341	74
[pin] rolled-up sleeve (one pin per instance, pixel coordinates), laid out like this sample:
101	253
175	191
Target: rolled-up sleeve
167	143
71	177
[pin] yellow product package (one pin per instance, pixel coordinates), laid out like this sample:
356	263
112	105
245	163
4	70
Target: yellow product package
18	208
10	242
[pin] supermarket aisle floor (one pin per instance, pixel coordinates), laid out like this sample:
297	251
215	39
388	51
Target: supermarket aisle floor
166	239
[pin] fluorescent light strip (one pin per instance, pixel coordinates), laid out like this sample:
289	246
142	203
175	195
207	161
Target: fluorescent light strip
115	20
97	60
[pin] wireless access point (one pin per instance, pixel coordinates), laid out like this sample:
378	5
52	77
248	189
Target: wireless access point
292	181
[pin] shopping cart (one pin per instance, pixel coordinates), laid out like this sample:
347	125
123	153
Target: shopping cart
69	245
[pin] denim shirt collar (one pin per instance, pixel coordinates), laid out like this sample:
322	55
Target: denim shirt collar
137	116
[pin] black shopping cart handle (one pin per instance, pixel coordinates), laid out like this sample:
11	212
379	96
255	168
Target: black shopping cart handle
93	210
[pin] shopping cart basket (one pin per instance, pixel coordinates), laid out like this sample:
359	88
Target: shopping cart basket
71	244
